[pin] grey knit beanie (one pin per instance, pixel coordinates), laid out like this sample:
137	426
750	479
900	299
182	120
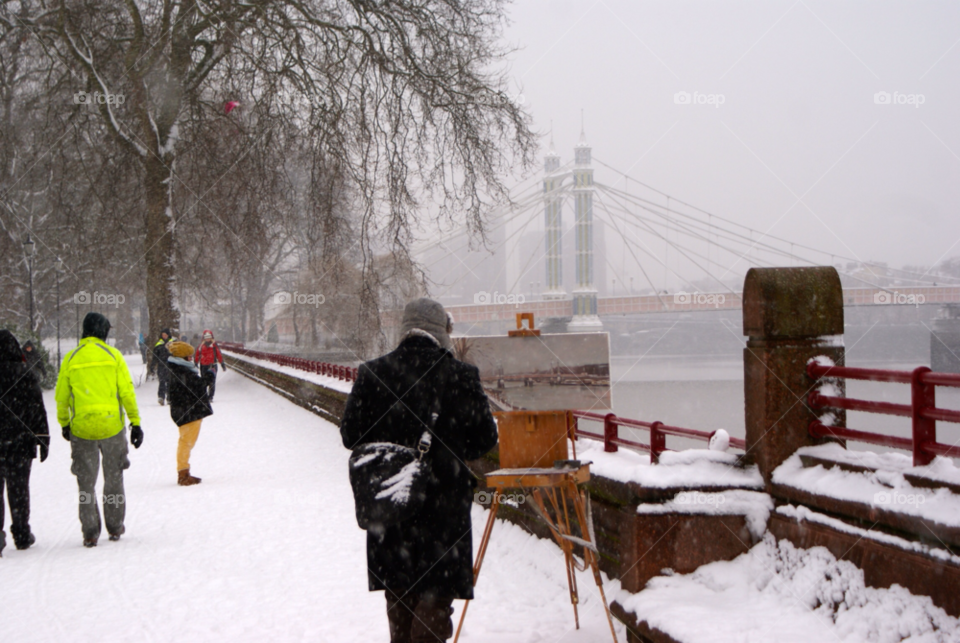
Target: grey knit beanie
429	316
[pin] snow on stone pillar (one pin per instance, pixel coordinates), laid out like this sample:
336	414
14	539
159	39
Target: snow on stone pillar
553	227
584	295
791	315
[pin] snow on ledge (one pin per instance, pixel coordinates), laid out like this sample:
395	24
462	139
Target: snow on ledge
326	381
753	505
801	514
777	592
885	488
941	469
688	468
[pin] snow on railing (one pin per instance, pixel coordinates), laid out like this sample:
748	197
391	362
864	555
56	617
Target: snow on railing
339	371
658	433
922	408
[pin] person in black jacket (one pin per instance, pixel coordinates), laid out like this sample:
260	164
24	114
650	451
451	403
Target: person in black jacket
189	404
425	562
23	426
160	355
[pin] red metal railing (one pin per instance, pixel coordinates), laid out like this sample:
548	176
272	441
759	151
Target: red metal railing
658	433
922	409
339	371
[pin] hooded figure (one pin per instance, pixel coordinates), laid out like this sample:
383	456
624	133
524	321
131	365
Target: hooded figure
423	563
189	404
23	427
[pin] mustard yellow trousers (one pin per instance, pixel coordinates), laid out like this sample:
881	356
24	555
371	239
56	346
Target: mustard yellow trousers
188	438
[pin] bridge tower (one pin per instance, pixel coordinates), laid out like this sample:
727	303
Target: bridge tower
584	295
552	222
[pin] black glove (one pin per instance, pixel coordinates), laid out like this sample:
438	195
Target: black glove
66	433
136	436
44	451
223	366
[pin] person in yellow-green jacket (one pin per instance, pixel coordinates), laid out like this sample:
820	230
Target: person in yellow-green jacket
94	389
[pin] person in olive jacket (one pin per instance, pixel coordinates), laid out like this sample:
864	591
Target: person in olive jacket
94	392
23	427
189	404
425	562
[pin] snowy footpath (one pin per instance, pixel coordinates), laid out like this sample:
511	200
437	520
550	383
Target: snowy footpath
265	549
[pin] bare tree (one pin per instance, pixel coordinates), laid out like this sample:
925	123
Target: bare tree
406	95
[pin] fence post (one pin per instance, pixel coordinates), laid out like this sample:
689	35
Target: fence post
610	433
658	442
790	316
922	396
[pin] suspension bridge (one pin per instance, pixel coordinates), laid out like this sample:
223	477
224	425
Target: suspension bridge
706	254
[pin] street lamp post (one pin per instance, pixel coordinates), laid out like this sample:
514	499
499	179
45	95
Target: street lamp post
58	271
28	248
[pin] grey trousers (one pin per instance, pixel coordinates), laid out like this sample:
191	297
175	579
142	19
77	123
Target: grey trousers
86	466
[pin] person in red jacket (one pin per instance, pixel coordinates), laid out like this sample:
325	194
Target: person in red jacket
207	357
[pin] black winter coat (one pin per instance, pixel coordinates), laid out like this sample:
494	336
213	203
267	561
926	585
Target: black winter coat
23	417
187	394
391	402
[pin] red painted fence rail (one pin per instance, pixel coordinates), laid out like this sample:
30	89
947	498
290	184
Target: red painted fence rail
922	409
339	371
658	433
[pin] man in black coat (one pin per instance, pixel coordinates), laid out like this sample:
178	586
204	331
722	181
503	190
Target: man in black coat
426	562
23	426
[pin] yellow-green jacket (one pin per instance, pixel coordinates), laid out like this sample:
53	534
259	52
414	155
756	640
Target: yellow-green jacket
93	390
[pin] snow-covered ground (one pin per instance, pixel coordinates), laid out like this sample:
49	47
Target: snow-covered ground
778	593
265	549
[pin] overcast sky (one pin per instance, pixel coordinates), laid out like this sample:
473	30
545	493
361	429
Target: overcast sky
799	145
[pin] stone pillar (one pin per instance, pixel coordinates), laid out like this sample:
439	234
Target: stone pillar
790	316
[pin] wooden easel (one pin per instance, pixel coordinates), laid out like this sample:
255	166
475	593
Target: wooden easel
559	485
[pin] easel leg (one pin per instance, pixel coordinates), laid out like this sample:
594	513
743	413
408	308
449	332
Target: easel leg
590	558
568	554
558	530
481	552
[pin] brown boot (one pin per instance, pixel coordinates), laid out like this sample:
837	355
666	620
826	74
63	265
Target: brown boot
185	479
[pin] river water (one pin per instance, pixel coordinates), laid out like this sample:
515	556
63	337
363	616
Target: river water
706	392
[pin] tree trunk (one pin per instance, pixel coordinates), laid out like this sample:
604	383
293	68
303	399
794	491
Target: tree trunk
159	245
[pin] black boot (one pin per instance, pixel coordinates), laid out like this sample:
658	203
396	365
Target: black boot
26	542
